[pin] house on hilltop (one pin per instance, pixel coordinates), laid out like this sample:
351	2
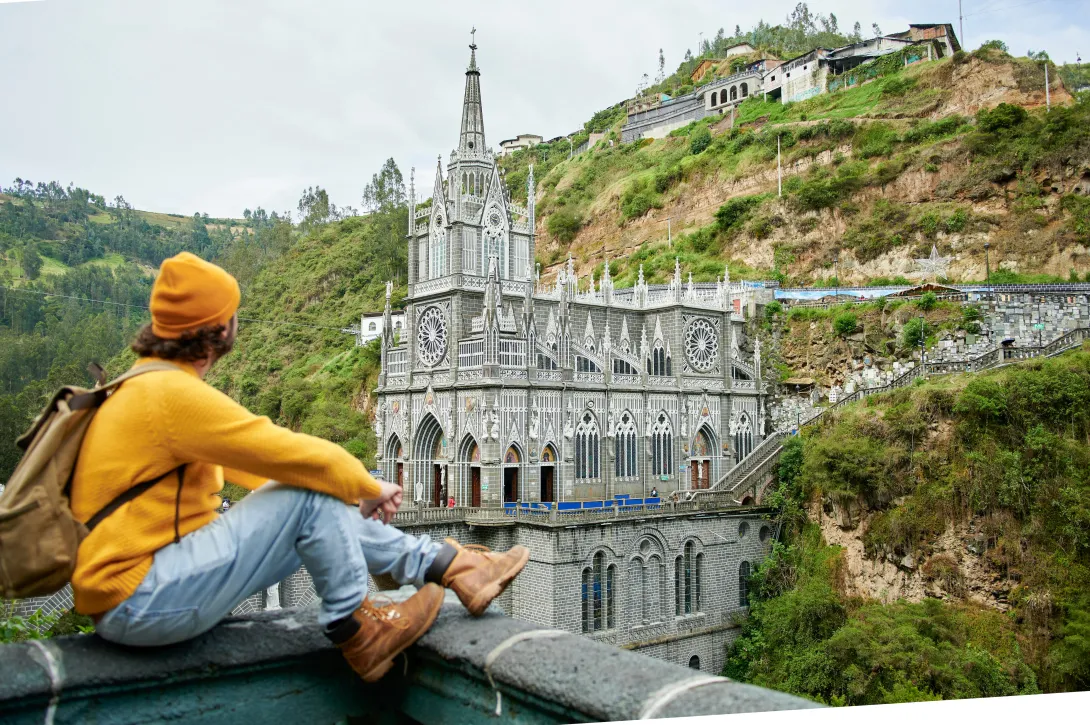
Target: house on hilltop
522	141
797	79
739	49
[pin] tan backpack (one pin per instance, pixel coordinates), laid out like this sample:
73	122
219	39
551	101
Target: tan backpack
39	535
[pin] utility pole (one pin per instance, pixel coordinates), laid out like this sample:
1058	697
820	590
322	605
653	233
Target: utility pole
1048	96
669	233
779	165
923	337
836	274
961	25
569	148
987	264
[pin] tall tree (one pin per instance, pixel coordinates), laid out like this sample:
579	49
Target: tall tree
386	191
315	209
32	261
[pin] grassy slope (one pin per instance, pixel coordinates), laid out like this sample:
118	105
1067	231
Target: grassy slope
1006	453
314	380
908	186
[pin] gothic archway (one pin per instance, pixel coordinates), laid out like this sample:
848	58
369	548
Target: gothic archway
701	456
547	474
512	463
469	473
429	467
395	460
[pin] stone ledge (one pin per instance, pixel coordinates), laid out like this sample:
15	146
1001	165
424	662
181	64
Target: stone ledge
277	666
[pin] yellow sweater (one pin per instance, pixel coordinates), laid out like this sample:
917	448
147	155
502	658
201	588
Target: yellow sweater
151	425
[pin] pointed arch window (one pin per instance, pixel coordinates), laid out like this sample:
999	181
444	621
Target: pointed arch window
544	362
743	584
469	250
625	461
623	367
743	437
660	364
597	595
586	365
438	256
688	571
587	448
662	446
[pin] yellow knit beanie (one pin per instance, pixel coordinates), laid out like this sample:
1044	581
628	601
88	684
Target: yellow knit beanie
191	293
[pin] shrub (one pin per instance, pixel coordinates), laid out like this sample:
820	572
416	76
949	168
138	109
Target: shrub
957	221
897	86
638	198
874	139
772	309
846	323
761	227
699	139
994	45
1003	116
565	224
667	178
732	214
928	301
915	332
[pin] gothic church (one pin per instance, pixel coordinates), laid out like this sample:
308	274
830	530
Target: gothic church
501	389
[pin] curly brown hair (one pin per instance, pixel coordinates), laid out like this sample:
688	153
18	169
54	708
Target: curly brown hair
190	347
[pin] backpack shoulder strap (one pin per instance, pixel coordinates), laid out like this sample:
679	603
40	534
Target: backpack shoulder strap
95	398
131	493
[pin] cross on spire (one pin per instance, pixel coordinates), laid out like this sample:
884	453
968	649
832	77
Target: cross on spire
473	37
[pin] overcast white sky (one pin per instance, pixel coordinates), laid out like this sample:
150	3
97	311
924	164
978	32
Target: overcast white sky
211	106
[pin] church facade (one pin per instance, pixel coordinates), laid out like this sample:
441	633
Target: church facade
501	389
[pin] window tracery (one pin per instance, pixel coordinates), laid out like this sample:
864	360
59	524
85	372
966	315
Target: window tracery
662	446
587	448
625	460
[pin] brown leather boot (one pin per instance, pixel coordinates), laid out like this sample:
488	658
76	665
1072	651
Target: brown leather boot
478	575
385	631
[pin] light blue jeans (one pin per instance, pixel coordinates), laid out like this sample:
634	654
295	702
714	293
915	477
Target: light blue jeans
196	582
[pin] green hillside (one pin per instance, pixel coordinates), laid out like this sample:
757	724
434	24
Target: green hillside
953	153
975	491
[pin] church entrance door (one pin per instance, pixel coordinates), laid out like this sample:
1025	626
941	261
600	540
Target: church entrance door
547	484
475	485
700	473
437	486
510	484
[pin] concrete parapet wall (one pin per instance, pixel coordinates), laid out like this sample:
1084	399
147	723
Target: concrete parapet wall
277	667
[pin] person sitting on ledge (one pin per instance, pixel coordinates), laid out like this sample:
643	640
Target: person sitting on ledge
166	566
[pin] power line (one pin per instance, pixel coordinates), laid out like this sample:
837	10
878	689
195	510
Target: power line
1005	7
145	307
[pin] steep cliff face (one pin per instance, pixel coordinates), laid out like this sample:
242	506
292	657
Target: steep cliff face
878	173
934	534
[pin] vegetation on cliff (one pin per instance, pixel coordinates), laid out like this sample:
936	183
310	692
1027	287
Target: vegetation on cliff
950	153
1004	455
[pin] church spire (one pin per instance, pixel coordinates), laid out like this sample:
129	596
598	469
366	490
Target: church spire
471	139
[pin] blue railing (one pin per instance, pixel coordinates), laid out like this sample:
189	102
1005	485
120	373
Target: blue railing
621	502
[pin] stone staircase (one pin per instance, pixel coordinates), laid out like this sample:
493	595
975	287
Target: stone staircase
747	474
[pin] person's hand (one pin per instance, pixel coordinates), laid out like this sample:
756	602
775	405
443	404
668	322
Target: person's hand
385	505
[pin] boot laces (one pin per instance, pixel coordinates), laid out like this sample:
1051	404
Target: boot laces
383	611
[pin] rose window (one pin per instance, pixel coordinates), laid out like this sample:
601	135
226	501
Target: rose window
431	336
701	345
